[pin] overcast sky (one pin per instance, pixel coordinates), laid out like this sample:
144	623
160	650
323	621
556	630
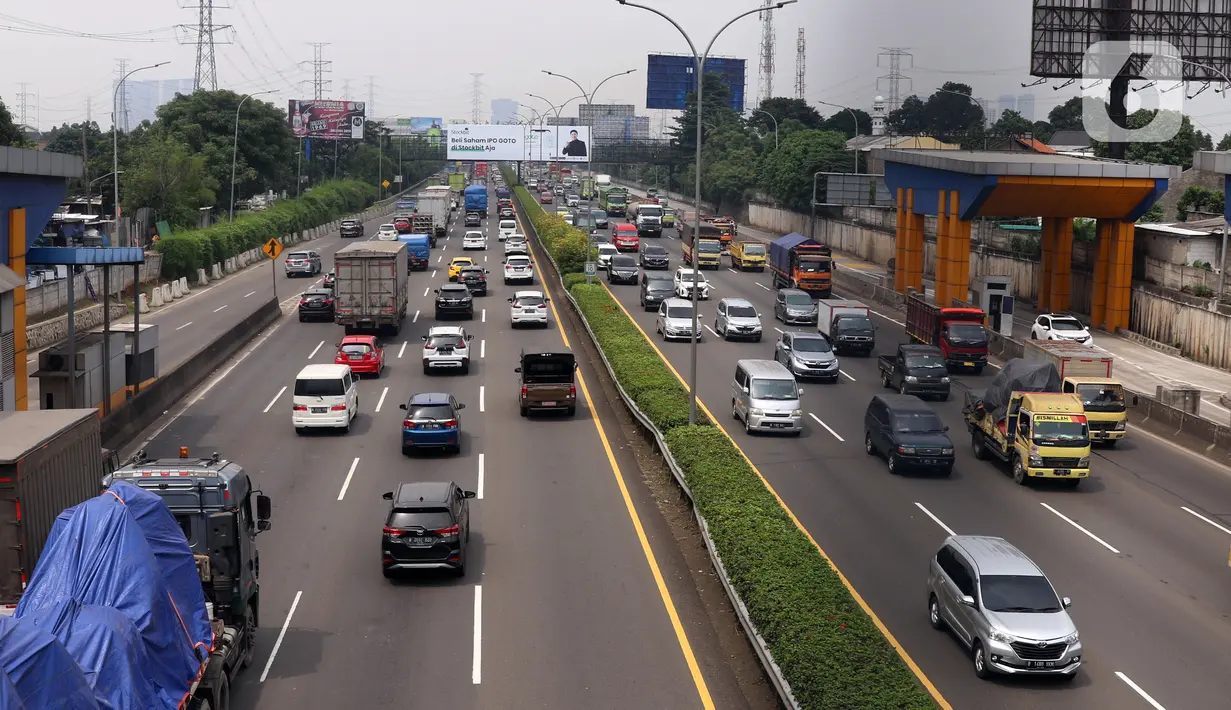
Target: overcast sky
421	58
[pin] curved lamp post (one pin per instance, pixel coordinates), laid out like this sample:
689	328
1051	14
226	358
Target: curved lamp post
235	151
115	137
771	117
855	118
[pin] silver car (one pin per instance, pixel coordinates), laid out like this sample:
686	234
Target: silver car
303	263
737	318
446	347
794	306
516	244
674	320
1003	608
807	355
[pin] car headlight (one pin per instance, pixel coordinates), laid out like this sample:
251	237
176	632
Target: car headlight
1072	638
945	380
998	635
1036	460
1120	426
797	412
1083	462
906	449
912	378
946	452
757	412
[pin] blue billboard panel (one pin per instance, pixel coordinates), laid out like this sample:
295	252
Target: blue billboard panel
671	77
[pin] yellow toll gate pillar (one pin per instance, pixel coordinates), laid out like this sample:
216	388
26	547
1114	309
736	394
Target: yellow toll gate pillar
959	251
914	245
1098	291
1119	276
1047	263
17	262
1062	268
899	245
943	251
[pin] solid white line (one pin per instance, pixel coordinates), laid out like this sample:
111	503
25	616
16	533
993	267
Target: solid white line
381	402
249	294
476	671
1089	534
831	431
482	400
483	316
219	308
184	325
318	347
852	379
482	348
429	288
1137	688
478	491
1192	512
415	319
767	288
346	484
281	635
935	519
716	335
274	400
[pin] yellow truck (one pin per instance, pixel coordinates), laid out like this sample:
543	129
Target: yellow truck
1025	421
1087	372
748	255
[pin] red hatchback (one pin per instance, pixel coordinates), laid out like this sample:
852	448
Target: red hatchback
363	353
624	237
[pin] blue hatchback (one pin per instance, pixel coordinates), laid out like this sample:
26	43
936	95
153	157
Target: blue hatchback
432	421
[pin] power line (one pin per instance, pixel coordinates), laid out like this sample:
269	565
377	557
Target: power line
766	88
895	77
36	28
320	68
476	96
801	64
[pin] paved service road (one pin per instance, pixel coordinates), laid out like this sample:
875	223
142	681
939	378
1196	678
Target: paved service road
1141	547
570	600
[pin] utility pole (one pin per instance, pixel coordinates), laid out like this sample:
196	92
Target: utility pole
320	68
895	78
766	88
801	64
476	95
85	153
204	34
370	109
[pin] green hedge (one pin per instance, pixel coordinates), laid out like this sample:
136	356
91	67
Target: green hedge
829	650
184	253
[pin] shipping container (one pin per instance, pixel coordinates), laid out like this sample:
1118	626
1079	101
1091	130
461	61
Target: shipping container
371	286
1071	359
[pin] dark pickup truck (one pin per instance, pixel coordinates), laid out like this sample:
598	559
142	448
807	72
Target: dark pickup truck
916	369
547	382
351	228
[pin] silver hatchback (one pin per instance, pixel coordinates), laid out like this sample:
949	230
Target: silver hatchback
1003	608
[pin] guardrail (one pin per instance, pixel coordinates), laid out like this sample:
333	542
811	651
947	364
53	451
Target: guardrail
781	686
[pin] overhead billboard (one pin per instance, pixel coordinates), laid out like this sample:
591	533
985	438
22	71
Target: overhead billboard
418	126
671	77
326	120
567	144
471	141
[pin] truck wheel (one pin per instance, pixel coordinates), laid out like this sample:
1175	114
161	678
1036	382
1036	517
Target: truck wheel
572	411
868	447
525	412
902	388
1019	471
976	443
250	622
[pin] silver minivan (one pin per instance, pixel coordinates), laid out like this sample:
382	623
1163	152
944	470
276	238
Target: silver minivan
737	318
674	320
1002	607
765	397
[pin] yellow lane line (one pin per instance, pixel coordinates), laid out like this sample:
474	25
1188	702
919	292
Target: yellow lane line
910	662
681	636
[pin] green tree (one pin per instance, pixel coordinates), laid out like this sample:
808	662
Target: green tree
911	119
1067	116
783	108
729	165
1225	143
1199	199
162	173
1153	215
844	123
9	133
951	112
786	174
1178	150
716	112
1011	123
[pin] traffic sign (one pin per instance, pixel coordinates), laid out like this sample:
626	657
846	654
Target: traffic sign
385	183
591	268
272	248
397	179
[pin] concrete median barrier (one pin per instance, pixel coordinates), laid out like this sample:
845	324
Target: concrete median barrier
166	293
143	304
176	291
184	284
156	298
216	272
202	279
155	401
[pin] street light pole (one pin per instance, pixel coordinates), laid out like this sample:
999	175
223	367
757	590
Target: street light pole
700	65
235	151
854	118
115	138
771	117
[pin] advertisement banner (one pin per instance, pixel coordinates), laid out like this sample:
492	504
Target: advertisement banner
486	142
328	120
570	144
416	126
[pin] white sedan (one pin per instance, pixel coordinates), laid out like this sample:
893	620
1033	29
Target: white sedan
528	308
683	284
474	240
387	233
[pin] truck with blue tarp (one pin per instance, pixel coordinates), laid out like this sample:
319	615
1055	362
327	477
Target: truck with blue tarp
476	199
799	262
418	250
503	193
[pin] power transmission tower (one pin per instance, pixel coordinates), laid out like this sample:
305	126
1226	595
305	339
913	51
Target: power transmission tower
120	118
370	109
895	77
476	96
24	107
320	68
801	64
766	88
346	89
205	34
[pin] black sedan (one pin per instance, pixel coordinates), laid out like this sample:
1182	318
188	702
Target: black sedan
622	270
454	300
316	304
473	219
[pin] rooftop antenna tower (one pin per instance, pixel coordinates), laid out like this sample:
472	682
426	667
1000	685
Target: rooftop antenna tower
766	88
801	64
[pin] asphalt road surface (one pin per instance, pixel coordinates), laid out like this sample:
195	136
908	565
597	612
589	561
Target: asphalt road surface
1141	547
570	600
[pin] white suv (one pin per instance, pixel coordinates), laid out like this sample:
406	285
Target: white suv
474	240
683	284
518	268
387	233
528	307
1060	326
446	347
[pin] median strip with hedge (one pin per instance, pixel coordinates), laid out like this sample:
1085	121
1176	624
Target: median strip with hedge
828	649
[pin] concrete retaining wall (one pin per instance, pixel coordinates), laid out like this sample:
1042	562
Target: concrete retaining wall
128	421
50	332
52	297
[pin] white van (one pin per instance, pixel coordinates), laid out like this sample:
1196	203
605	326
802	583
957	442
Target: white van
325	396
507	227
765	397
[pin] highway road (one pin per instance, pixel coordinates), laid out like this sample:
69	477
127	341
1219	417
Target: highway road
1141	547
571	599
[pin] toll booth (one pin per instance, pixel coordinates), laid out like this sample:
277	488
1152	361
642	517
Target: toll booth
994	295
146	368
79	365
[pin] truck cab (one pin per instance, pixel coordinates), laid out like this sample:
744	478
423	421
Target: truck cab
1104	404
748	255
915	369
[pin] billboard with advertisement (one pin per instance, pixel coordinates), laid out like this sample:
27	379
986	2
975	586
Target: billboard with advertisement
471	141
570	144
671	77
418	126
326	120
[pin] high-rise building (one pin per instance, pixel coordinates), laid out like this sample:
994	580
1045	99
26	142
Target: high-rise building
1025	106
504	110
144	97
1006	102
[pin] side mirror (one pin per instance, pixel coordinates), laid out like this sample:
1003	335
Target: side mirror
946	430
1066	602
485	271
469	337
263	525
402	407
460	406
967	600
468	494
425	338
264	507
510	300
799	391
436	291
745	389
548	300
389	494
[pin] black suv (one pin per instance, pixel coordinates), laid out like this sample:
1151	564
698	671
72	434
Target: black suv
654	256
316	304
655	288
909	433
622	269
454	300
351	228
475	279
428	527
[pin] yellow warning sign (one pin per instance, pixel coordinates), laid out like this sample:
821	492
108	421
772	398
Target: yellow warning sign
386	183
272	248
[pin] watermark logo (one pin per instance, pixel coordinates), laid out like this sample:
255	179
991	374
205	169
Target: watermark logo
1160	64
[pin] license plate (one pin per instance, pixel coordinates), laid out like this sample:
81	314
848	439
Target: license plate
418	541
430	426
929	462
969	364
549	404
1040	664
529	311
1062	471
777	425
320	410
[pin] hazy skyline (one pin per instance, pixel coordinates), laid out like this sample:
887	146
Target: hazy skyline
421	58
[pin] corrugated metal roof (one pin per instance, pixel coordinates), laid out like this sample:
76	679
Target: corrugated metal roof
1176	230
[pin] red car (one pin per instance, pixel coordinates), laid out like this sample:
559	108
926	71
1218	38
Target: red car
363	353
624	237
545	198
402	225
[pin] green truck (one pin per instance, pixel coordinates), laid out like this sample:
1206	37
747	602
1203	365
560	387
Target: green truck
613	200
457	182
587	188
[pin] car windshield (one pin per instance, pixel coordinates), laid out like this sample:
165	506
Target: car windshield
741	312
387	227
1065	324
849	323
430	412
1101	397
917	422
462	262
607	249
1059	429
317	295
710	247
679	312
688	276
454	292
659	286
331	387
359	349
969	333
799	299
654	251
519	262
651	211
925	361
599	214
773	389
811	345
1013	594
446	341
528	302
297	255
625	261
472	273
426	518
813	267
754	250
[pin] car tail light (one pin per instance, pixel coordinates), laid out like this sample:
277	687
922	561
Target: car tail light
392	532
408	424
543	306
524	391
303	301
449	423
449	533
299	408
338	408
572	390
